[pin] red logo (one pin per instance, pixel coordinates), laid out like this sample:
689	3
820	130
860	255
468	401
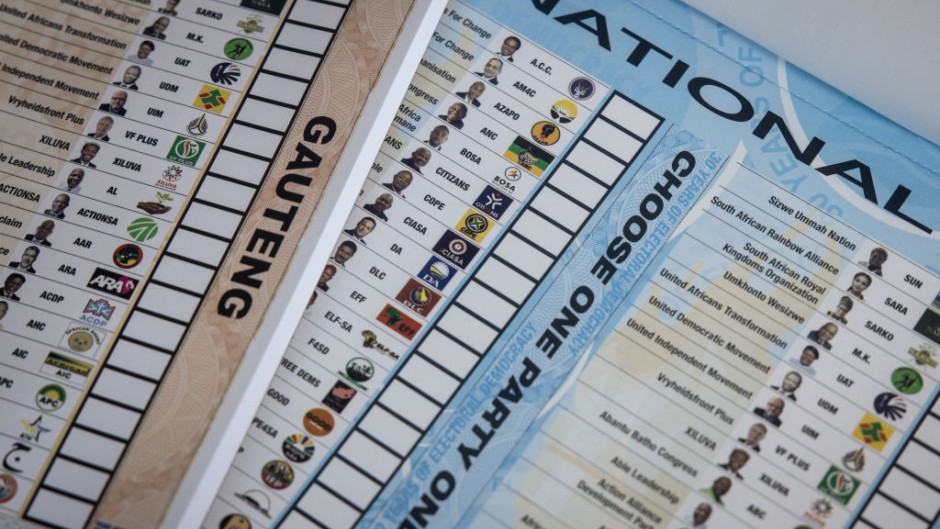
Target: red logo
401	323
418	297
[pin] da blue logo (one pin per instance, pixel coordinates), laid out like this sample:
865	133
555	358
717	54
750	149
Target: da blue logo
437	273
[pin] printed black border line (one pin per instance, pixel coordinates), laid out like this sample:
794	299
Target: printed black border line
315	476
876	487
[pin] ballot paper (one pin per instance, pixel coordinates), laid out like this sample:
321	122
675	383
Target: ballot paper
147	220
614	266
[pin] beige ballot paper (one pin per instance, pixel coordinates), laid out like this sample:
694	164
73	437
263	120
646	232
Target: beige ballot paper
159	163
613	266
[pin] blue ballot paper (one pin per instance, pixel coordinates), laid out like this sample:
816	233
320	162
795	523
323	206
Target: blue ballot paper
625	269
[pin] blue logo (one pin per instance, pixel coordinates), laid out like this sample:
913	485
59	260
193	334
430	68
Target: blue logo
492	202
437	273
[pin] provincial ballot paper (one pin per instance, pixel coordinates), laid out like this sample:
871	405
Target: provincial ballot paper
614	266
159	162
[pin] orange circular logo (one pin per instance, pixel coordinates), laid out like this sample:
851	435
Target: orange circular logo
318	422
546	133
